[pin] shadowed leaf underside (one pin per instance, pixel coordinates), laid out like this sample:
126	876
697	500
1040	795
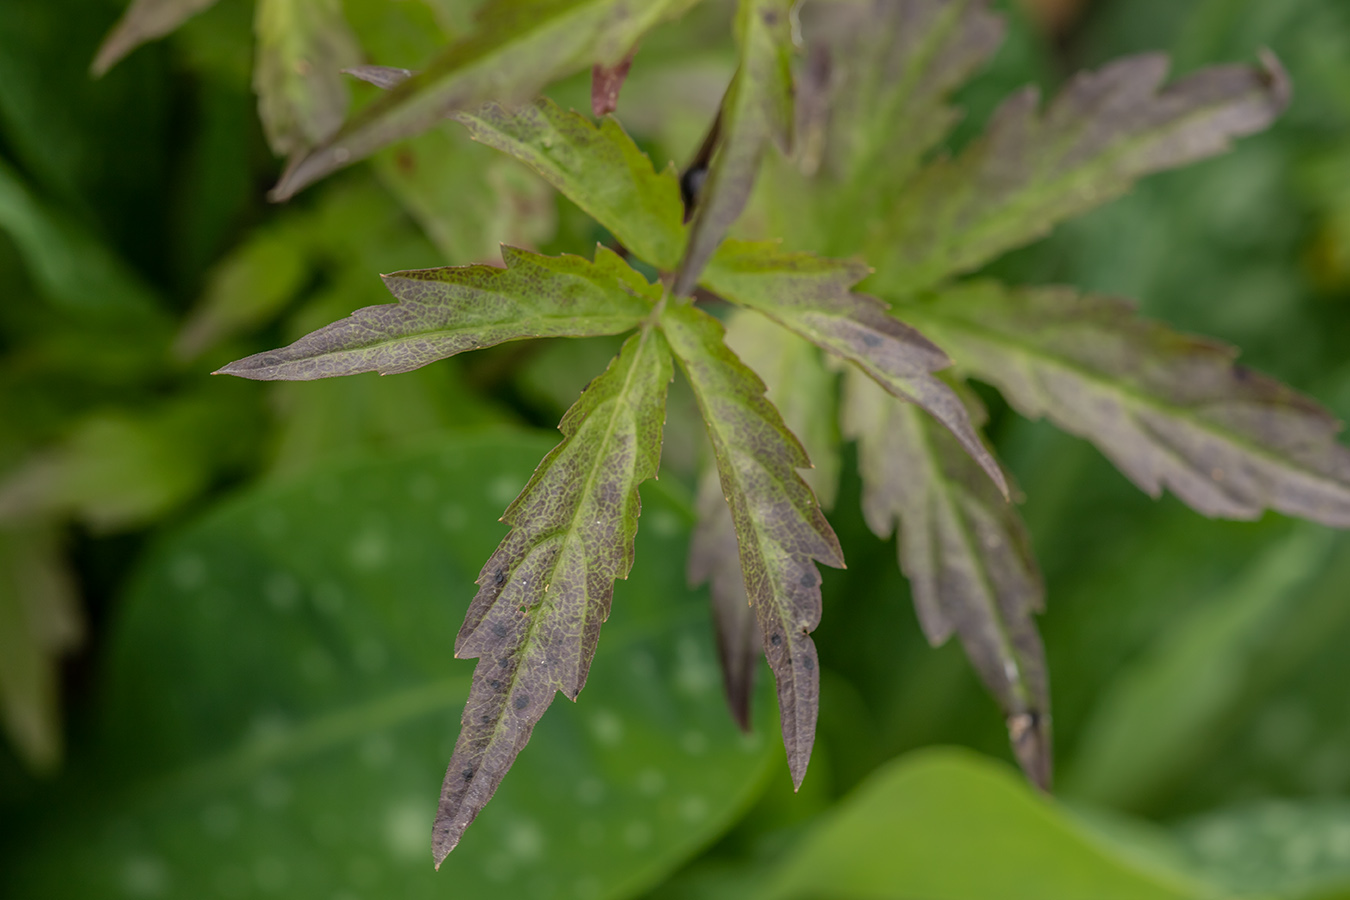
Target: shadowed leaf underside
812	297
450	310
966	555
757	109
780	529
519	47
1033	169
545	592
1170	410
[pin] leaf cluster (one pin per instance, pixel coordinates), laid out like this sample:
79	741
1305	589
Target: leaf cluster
862	120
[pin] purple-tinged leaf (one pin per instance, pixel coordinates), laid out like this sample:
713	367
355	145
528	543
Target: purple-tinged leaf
303	46
606	82
383	77
519	47
966	555
144	21
893	64
714	559
1031	169
757	109
597	167
545	592
779	527
812	297
447	311
1170	410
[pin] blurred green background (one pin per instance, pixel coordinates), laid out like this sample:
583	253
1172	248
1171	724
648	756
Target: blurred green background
227	608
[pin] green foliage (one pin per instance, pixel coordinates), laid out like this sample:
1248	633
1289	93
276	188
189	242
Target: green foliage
1194	667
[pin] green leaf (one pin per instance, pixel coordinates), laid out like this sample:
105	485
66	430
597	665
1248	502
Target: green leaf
812	297
779	526
597	167
757	109
520	46
948	825
965	552
247	287
447	311
467	199
714	559
545	592
1031	170
892	65
303	753
1171	411
303	46
144	21
40	622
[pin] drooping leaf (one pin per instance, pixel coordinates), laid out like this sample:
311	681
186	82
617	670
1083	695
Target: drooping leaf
965	552
447	311
1032	169
598	167
949	825
606	82
40	621
144	21
312	760
892	66
520	46
1170	410
714	559
779	526
756	110
812	297
545	592
303	46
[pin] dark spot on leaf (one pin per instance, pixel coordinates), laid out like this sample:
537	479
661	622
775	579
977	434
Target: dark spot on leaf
871	339
504	662
467	774
776	639
770	17
495	684
499	577
521	701
808	581
499	629
809	664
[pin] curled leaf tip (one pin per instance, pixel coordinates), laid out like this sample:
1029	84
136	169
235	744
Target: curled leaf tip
1029	733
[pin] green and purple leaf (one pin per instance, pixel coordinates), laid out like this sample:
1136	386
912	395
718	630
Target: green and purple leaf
545	592
520	47
597	167
303	46
779	526
813	297
447	311
1034	169
893	64
966	555
756	110
144	21
1170	410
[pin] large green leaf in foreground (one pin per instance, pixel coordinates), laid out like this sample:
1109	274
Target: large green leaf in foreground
948	825
282	700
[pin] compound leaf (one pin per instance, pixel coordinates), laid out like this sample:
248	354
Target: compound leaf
144	21
779	527
757	109
1031	170
965	552
812	297
597	167
545	592
520	46
303	46
450	310
1170	410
